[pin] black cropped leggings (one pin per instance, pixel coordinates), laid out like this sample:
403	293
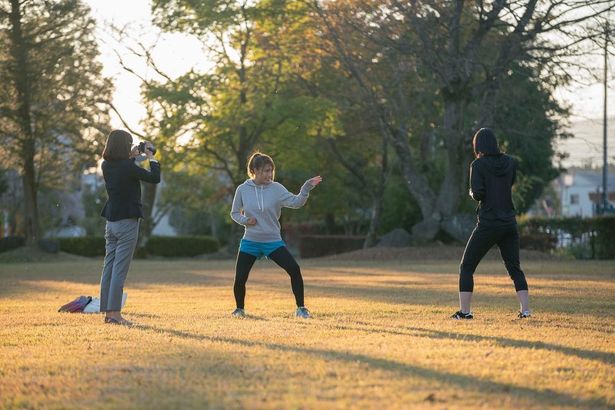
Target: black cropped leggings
283	258
506	237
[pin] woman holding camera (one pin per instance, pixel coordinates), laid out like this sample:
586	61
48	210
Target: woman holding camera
257	206
492	176
122	211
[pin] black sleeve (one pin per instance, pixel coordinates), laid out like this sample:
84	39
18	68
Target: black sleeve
477	183
152	176
514	173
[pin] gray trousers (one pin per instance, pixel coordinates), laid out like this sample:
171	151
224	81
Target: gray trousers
121	239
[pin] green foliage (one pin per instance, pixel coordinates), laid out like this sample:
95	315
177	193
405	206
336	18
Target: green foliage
93	200
400	209
243	100
277	85
65	93
167	246
589	237
529	121
179	246
84	246
4	185
313	246
197	203
605	235
11	242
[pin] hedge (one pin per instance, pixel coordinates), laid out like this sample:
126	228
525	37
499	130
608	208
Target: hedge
170	246
83	245
11	242
313	246
166	246
596	234
604	239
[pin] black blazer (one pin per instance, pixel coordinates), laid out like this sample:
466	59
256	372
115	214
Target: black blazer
122	182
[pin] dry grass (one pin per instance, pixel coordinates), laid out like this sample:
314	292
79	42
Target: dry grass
380	338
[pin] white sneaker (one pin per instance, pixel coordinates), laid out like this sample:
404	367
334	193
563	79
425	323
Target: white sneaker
524	314
303	313
239	313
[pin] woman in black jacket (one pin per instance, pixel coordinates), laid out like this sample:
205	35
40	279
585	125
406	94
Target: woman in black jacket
492	176
123	209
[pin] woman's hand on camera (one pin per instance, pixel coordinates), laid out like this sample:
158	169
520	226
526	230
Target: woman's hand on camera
251	221
134	152
149	147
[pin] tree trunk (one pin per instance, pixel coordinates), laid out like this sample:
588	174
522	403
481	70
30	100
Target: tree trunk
31	221
453	184
374	223
148	198
20	71
419	188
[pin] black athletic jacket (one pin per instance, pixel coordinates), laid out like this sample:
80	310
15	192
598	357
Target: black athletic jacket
122	181
491	181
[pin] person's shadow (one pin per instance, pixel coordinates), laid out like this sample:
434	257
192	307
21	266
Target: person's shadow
547	396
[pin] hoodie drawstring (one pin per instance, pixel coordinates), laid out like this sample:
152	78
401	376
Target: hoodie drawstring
261	201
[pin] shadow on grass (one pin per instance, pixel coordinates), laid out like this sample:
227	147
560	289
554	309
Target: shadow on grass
605	357
546	396
27	283
423	294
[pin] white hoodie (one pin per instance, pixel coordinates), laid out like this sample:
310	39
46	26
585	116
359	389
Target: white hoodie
264	203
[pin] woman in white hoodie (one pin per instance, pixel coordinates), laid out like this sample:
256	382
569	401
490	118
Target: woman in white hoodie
257	206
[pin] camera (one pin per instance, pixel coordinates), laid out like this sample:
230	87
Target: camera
141	148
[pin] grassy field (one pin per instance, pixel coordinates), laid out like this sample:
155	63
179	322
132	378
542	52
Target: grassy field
381	337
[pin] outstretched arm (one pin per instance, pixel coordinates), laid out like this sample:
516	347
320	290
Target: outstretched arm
289	200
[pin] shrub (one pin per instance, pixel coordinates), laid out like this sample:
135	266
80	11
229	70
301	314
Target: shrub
313	246
584	237
538	241
11	242
604	229
83	245
170	246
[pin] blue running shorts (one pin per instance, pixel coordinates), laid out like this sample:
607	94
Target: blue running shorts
259	249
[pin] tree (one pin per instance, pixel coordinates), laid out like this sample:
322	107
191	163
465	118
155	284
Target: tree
52	116
466	50
229	110
243	102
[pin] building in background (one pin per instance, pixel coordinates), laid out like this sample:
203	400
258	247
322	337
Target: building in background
579	191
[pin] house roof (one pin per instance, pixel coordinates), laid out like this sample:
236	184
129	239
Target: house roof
590	178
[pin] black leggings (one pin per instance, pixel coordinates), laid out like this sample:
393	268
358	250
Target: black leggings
482	239
283	258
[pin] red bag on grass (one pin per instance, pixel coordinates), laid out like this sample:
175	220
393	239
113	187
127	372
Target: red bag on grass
76	305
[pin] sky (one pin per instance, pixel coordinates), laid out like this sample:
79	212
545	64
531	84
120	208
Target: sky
177	53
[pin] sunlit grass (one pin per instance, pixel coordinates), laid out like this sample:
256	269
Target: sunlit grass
380	338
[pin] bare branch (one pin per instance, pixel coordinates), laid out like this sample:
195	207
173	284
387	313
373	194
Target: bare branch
128	127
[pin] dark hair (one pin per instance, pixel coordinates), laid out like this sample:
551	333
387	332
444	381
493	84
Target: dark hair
484	142
258	161
117	146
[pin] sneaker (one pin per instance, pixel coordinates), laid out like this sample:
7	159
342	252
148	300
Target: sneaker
303	313
459	315
524	314
239	313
